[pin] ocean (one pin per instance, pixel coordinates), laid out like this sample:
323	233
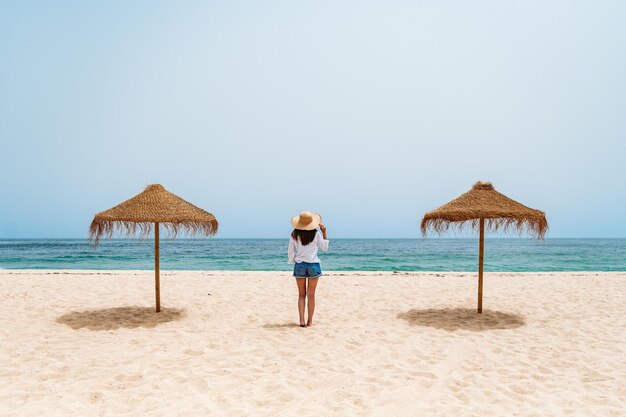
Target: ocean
516	254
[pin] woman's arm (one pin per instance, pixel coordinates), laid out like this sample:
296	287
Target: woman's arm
322	244
323	229
291	251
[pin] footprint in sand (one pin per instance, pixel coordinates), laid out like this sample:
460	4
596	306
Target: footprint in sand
128	378
223	403
428	375
461	397
95	397
201	385
525	389
193	352
359	403
285	397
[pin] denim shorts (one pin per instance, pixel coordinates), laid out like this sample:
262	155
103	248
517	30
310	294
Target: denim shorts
307	270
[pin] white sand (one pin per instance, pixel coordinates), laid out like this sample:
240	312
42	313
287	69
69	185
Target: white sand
81	343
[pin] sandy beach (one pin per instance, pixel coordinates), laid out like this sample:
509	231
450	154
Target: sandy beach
78	343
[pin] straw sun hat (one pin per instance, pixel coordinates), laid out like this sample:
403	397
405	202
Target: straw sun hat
306	221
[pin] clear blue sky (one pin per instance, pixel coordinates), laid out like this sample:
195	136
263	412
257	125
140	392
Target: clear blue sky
370	112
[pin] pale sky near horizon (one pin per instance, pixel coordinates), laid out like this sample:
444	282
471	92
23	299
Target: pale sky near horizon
369	112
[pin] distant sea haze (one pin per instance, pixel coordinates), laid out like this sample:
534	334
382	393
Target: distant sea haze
501	255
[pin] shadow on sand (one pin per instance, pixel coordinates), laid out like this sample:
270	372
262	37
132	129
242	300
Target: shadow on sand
462	319
278	326
129	317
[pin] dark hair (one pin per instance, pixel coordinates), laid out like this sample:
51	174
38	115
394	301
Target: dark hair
304	236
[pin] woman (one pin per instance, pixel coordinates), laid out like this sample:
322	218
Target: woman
303	246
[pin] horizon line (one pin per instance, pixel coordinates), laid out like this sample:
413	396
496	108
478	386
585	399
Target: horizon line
334	238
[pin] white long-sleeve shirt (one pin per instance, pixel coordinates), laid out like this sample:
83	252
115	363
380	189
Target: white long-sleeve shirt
300	253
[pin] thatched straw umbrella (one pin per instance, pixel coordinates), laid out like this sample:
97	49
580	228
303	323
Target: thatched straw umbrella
154	206
484	205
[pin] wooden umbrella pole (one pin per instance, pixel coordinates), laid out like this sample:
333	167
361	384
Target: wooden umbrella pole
157	279
481	252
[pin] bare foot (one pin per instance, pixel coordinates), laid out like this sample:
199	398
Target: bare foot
309	324
302	325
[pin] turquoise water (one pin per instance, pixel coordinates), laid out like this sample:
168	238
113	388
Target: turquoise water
344	254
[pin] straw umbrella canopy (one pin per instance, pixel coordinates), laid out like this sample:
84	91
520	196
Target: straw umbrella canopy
480	206
153	208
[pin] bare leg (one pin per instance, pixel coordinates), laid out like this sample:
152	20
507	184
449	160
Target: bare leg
301	282
311	298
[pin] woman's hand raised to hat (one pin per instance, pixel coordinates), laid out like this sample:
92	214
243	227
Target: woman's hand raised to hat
323	229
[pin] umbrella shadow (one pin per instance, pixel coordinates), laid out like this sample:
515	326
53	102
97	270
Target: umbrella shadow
278	326
452	319
129	317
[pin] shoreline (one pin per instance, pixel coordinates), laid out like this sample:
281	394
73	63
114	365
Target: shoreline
227	343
